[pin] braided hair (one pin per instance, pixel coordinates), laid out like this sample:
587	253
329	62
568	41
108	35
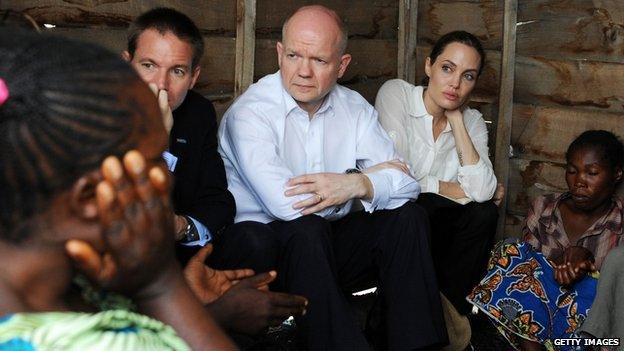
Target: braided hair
62	117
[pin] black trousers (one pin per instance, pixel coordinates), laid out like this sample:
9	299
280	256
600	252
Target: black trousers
461	239
323	260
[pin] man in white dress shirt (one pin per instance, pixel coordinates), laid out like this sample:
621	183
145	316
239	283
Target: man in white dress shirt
298	151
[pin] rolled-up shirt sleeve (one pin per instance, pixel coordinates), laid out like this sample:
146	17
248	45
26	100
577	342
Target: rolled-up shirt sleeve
252	147
478	181
392	188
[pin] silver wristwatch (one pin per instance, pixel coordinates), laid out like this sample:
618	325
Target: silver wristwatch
189	233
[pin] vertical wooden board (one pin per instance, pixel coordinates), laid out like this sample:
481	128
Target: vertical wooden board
584	84
483	18
574	29
488	83
245	45
505	104
364	18
214	17
407	41
544	133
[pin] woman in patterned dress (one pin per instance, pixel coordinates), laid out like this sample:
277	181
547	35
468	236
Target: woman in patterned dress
542	288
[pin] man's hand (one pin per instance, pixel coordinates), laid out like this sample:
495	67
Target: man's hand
392	164
499	194
165	109
249	308
328	189
209	284
573	265
180	223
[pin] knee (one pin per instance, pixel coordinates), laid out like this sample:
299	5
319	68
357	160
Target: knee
413	223
253	235
412	212
482	215
310	230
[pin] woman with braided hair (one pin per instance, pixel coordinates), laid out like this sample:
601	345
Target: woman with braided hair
68	112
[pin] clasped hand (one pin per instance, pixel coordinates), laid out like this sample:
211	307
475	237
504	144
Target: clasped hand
573	265
331	189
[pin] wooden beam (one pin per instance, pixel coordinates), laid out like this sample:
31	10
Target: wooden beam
505	105
245	45
408	25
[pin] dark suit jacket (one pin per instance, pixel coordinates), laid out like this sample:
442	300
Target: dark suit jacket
200	186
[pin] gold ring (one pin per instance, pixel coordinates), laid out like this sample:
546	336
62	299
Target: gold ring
319	196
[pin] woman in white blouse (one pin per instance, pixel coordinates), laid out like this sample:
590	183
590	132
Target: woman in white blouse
445	145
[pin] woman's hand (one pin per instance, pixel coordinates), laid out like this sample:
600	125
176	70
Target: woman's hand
392	164
137	226
575	262
499	194
209	284
138	258
454	116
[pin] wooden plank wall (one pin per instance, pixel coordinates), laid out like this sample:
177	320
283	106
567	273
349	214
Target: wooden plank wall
569	72
569	78
483	18
372	32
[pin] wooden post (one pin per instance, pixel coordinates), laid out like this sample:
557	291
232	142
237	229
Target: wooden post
408	25
245	45
505	106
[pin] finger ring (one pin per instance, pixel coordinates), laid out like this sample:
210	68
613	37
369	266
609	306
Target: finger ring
320	197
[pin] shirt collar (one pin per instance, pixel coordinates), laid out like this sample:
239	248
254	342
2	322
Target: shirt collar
611	222
549	217
416	107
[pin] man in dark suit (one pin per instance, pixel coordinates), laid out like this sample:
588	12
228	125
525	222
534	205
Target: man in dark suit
165	47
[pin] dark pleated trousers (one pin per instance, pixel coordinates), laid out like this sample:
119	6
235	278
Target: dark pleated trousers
324	260
461	239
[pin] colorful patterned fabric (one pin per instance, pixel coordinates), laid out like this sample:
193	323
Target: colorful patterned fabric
522	298
106	331
544	229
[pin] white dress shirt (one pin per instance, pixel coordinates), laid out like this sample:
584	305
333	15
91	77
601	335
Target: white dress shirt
265	139
403	115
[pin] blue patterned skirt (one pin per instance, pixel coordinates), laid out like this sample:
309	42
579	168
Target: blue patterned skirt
522	298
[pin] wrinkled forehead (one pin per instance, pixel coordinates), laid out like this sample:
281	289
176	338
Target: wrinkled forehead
312	26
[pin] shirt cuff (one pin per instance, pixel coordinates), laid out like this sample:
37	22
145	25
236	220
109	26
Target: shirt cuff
381	191
204	234
170	160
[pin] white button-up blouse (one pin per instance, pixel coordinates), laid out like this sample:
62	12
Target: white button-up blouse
403	115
